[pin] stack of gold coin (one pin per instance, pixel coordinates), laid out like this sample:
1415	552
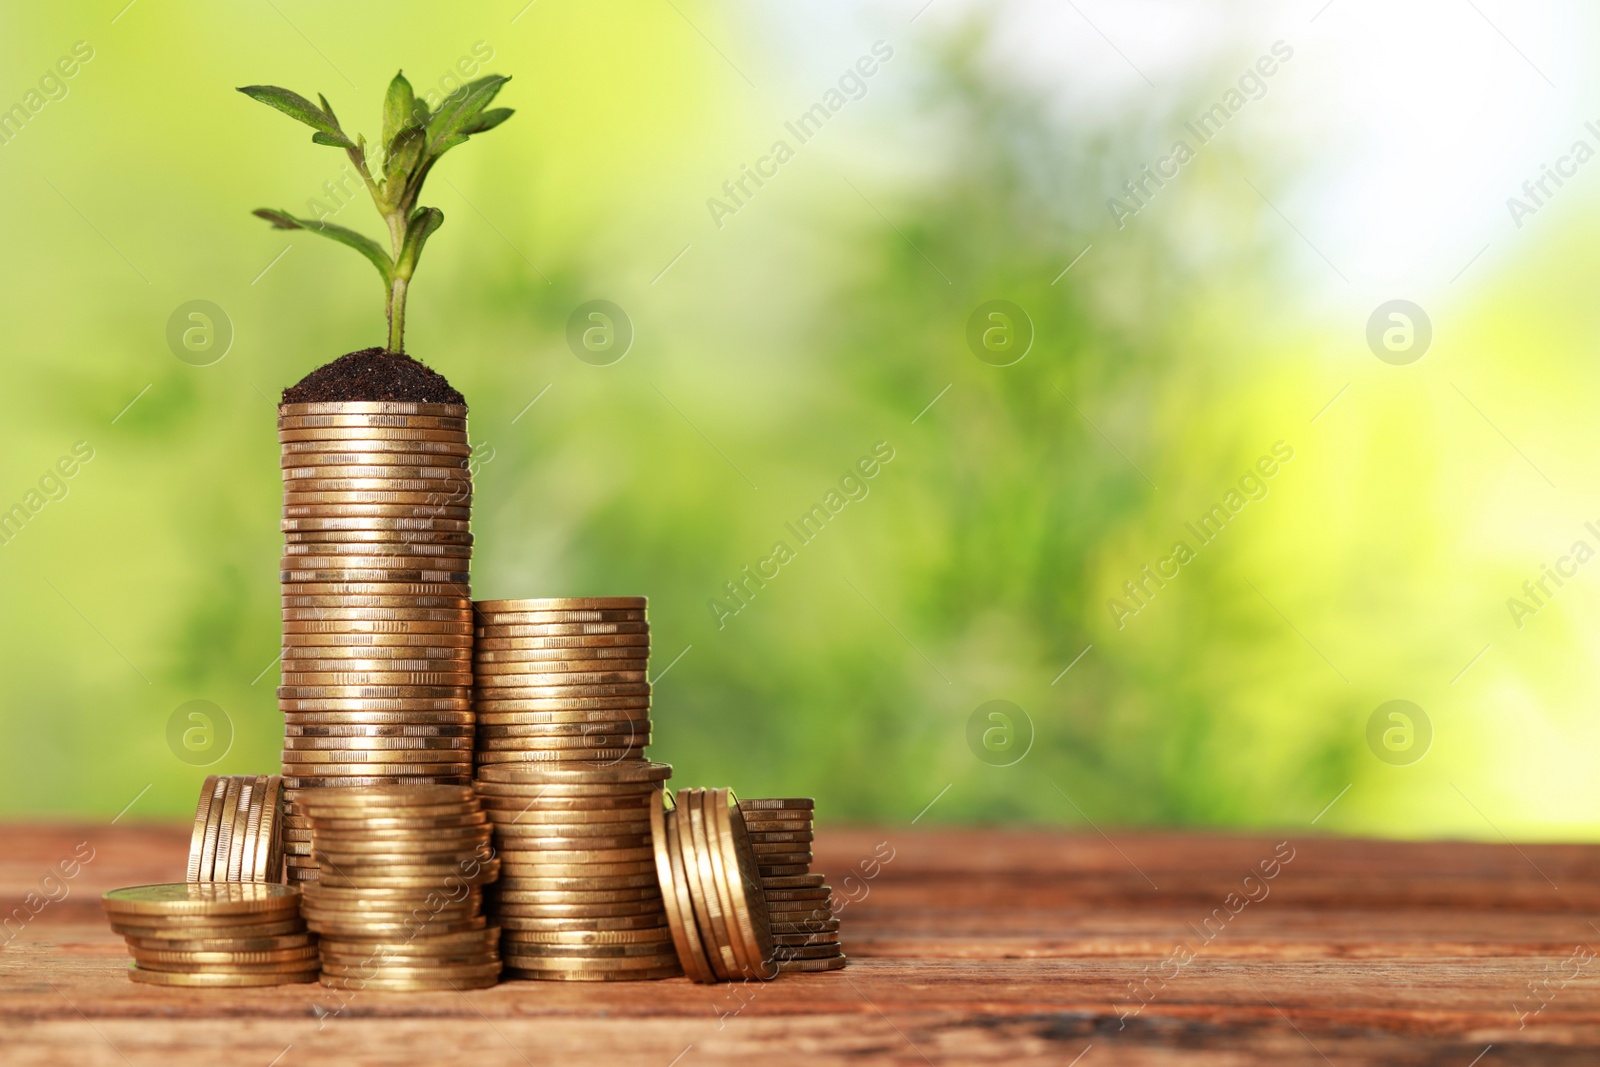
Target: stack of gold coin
715	907
238	830
578	899
398	900
214	933
377	624
804	931
560	679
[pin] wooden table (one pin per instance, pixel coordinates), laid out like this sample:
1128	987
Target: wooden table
967	947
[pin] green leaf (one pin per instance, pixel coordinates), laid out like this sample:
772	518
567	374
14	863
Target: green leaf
337	140
489	120
424	221
461	108
299	108
403	153
398	105
282	220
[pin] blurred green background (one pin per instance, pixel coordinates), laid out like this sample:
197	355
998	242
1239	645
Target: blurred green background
779	342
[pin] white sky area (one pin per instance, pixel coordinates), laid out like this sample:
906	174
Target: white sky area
1405	125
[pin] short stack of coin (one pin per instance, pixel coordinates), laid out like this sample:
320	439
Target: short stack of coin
804	930
560	679
399	894
377	623
578	899
715	907
238	830
211	934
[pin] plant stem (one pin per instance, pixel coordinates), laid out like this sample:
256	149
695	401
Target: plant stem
397	315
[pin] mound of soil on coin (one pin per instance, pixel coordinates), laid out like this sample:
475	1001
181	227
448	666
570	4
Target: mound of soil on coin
373	374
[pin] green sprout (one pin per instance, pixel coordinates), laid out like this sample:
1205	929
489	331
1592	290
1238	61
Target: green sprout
414	137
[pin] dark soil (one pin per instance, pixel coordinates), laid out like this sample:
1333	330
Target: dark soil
373	374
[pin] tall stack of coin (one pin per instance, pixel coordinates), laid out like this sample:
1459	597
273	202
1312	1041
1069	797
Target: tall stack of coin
578	899
561	679
398	900
214	933
377	623
238	830
715	907
804	931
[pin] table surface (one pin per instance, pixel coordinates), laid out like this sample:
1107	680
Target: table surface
978	946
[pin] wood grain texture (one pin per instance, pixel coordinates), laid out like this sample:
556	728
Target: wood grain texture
967	948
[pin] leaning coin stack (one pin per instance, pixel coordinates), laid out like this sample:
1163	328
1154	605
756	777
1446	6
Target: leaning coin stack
398	900
377	612
238	830
708	877
561	679
804	931
578	899
214	934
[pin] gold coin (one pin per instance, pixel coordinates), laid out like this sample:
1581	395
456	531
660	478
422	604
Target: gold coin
588	958
350	610
759	823
814	926
391	731
586	757
374	446
604	975
241	957
563	629
528	866
674	891
406	557
602	736
432	551
536	618
819	939
561	796
322	896
244	837
317	664
604	654
703	895
366	409
377	511
377	542
374	524
557	672
230	811
418	967
555	730
569	603
215	980
356	929
557	645
352	632
202	818
454	642
778	804
793	881
384	800
415	498
641	774
536	928
369	742
432	880
204	899
832	963
409	590
409	985
222	944
377	678
377	826
561	709
406	838
382	476
517	686
516	882
386	962
565	821
513	830
447	945
159	929
308	781
364	692
779	837
631	914
578	902
353	756
344	456
374	712
743	878
454	658
511	847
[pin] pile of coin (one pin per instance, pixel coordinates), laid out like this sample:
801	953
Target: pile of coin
377	624
238	830
578	899
805	933
561	679
214	933
707	871
398	900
